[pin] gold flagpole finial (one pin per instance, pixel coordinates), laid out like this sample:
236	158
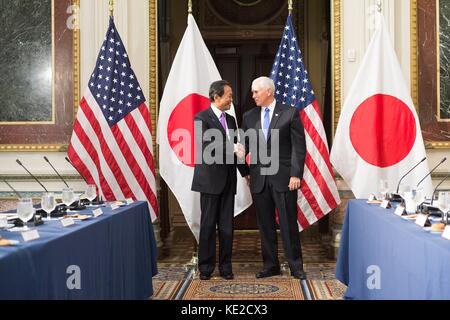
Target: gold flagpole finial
290	6
111	8
190	6
379	6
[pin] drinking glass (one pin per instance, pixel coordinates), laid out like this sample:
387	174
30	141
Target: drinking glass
410	203
404	188
418	195
48	204
384	188
443	204
68	196
91	193
3	222
25	211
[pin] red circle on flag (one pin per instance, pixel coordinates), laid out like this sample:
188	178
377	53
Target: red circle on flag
180	129
383	130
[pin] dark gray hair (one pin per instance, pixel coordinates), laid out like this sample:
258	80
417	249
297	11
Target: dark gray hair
217	88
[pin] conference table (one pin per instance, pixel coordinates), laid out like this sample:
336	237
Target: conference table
112	256
385	257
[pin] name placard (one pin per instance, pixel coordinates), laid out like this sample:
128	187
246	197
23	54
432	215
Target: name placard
400	210
97	212
385	204
422	220
114	206
446	233
130	201
67	222
30	235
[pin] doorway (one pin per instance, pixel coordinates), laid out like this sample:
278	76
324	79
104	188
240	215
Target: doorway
243	41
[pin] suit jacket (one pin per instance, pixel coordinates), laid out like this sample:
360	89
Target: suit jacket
292	147
212	178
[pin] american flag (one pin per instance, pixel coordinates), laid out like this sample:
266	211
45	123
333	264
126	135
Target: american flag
111	144
318	194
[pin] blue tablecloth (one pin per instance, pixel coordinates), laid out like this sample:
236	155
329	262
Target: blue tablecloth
412	263
115	253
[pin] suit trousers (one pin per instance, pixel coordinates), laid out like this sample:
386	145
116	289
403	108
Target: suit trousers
286	204
217	212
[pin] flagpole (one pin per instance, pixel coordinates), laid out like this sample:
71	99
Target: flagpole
193	264
111	8
290	6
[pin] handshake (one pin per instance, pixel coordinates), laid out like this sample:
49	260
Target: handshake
239	151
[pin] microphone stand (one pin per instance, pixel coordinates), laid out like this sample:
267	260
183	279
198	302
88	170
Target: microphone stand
79	205
420	182
435	189
68	160
20	163
14	190
429	207
48	161
99	199
396	197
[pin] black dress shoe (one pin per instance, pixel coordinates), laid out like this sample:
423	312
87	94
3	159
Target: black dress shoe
299	275
268	273
205	276
227	276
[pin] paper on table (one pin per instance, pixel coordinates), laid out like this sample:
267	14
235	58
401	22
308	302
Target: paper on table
410	217
7	243
77	216
9	216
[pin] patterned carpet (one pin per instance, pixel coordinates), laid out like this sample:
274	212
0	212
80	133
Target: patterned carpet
178	251
326	289
168	281
245	288
165	290
180	247
321	284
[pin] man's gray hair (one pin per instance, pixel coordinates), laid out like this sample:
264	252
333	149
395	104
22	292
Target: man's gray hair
264	83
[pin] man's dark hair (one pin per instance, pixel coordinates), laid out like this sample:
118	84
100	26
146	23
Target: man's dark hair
217	89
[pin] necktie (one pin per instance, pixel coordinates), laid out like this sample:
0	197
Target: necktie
223	121
266	123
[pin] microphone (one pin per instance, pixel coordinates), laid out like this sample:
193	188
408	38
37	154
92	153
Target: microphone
20	164
46	159
442	161
15	191
435	189
99	197
398	186
68	160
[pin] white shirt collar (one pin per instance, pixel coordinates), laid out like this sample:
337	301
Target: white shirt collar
271	107
216	110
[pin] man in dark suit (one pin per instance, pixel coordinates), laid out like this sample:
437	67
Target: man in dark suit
280	131
216	180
